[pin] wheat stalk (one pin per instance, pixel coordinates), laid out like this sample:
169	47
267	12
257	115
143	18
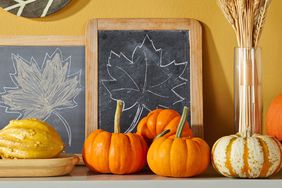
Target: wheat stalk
247	18
256	7
260	20
227	12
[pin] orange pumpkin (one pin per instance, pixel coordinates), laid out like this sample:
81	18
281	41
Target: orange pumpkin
273	118
159	120
179	156
116	152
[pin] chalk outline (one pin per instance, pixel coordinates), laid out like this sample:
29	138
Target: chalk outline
41	69
185	63
138	89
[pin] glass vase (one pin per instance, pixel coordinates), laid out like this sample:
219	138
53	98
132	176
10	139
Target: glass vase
248	90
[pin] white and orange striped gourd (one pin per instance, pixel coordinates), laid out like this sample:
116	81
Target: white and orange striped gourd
256	156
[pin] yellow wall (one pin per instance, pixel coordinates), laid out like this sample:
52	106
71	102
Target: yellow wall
218	36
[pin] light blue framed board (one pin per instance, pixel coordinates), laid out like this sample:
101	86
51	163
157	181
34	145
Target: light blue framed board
44	77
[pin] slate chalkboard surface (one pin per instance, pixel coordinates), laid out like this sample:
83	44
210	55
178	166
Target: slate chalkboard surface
147	63
146	69
45	82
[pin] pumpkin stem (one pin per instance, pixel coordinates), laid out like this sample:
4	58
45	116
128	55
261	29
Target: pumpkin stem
182	122
117	116
246	133
162	134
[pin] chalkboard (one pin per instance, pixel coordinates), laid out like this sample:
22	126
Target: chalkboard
48	83
146	70
148	64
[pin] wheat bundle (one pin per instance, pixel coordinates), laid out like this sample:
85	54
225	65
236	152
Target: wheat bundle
247	18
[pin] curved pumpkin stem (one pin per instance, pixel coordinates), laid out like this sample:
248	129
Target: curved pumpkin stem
162	134
117	116
182	122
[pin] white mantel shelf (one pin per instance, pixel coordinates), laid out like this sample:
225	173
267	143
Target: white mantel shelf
82	178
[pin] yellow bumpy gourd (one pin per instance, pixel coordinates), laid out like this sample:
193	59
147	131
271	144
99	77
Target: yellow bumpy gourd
29	139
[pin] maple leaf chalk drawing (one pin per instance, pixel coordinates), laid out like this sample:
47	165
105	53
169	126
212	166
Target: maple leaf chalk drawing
125	83
42	91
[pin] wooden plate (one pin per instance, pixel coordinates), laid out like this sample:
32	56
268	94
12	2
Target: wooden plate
38	167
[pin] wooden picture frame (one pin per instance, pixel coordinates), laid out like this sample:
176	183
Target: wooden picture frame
52	41
195	34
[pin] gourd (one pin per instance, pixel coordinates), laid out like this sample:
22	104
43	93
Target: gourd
273	118
159	120
29	139
116	152
246	156
178	156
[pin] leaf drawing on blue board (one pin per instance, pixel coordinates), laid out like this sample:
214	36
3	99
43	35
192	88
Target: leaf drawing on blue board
40	92
143	80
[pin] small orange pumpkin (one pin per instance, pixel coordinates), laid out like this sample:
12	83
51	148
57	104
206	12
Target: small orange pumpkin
273	118
116	152
179	156
159	120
